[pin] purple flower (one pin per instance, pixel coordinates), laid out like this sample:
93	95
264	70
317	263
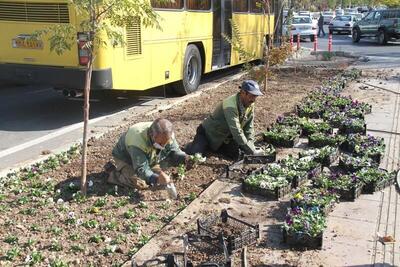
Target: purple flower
289	220
296	210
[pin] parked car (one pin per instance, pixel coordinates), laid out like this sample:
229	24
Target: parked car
339	12
301	25
342	24
383	24
328	16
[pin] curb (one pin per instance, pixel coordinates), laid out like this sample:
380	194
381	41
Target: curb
337	54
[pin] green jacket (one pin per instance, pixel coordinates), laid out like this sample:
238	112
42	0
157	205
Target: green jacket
230	120
135	147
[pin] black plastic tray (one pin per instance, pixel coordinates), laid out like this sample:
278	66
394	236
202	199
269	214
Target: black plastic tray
301	240
252	159
214	247
275	194
350	195
249	233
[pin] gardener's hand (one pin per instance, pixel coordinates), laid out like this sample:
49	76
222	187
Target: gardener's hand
163	178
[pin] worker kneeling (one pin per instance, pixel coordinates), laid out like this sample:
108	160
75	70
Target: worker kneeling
142	152
230	127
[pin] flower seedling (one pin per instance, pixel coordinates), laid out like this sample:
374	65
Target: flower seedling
181	170
121	202
96	238
11	239
35	258
134	228
90	224
143	240
167	218
152	218
35	228
12	253
56	230
101	202
55	246
119	239
192	196
74	237
77	248
143	205
129	214
112	225
58	263
30	243
109	249
197	158
315	199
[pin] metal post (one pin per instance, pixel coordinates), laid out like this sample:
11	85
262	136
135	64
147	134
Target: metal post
330	43
315	42
298	41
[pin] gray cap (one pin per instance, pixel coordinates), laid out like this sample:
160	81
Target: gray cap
251	87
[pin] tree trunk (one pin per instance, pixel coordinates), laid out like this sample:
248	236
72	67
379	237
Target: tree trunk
85	125
267	7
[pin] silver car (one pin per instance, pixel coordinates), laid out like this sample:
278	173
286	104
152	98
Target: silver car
342	24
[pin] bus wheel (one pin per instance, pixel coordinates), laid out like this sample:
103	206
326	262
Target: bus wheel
191	71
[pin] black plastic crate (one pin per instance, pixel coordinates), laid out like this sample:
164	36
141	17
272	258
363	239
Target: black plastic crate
283	143
351	194
345	130
301	240
299	181
264	159
267	194
244	233
205	251
370	188
169	260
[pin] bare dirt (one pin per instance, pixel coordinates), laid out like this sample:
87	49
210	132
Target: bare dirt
47	223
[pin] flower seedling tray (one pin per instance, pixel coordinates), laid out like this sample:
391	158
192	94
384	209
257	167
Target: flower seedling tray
327	162
324	209
314	172
205	251
236	233
351	194
301	240
238	170
253	159
375	186
268	194
349	167
345	130
282	143
305	132
299	181
312	115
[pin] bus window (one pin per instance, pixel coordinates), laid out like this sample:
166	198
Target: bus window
177	4
199	4
240	6
256	6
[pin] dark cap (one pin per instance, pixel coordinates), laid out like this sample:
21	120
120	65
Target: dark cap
251	87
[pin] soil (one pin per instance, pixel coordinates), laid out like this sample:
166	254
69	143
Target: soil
48	222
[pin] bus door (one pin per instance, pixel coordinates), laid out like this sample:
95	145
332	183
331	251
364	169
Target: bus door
222	14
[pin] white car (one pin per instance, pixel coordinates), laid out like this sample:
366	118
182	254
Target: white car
301	25
342	24
328	16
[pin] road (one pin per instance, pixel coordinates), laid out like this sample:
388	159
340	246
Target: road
387	56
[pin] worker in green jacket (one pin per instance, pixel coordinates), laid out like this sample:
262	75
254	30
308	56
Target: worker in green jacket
142	152
230	127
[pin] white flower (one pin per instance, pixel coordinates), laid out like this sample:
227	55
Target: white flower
28	259
168	201
113	248
71	215
50	200
60	201
71	185
107	239
58	191
90	183
79	222
73	195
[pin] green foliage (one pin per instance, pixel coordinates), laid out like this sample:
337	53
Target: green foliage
55	246
90	224
11	239
58	263
97	238
77	248
134	228
12	253
74	237
35	257
129	214
101	202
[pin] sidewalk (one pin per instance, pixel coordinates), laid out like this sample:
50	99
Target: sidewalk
354	227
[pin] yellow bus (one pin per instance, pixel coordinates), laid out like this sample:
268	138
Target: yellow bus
189	44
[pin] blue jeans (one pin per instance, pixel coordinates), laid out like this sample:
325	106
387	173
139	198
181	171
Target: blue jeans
321	29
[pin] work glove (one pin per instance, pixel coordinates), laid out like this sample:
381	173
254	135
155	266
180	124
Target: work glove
259	152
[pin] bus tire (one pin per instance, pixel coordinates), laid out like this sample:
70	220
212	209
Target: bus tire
191	71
